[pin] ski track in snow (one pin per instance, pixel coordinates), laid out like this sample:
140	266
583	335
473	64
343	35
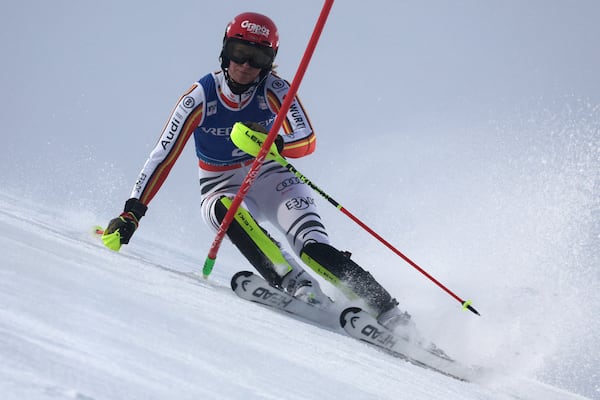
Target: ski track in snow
80	322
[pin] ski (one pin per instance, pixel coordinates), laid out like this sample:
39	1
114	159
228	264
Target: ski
363	326
252	287
357	324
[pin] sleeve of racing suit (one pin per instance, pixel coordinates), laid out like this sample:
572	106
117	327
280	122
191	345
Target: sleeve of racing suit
185	118
299	137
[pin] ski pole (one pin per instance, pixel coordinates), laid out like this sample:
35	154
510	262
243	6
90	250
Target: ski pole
251	142
268	141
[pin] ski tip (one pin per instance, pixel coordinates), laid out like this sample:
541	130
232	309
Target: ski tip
343	316
236	276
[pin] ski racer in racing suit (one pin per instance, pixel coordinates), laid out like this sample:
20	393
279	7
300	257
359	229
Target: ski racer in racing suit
247	90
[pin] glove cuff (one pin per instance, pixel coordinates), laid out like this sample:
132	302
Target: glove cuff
136	207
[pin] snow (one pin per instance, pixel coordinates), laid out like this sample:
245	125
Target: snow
78	321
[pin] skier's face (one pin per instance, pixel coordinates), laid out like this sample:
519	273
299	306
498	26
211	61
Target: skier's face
243	73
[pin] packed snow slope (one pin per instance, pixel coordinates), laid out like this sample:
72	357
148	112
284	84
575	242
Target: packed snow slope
80	322
467	134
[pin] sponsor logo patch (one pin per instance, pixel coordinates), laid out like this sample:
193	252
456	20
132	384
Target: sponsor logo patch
255	28
299	203
188	102
211	108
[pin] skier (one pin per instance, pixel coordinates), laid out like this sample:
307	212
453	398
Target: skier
247	90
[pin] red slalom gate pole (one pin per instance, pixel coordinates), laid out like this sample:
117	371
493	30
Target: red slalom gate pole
260	158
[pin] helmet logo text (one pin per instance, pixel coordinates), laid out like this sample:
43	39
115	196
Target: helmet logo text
255	28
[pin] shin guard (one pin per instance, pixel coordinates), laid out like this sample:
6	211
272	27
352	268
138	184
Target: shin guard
254	243
337	268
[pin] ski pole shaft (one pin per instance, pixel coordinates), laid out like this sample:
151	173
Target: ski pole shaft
290	167
260	158
251	141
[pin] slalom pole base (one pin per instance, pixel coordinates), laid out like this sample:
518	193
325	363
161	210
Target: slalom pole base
209	263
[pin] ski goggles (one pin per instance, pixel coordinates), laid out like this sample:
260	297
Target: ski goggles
257	56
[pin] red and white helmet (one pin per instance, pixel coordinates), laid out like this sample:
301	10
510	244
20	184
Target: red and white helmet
253	28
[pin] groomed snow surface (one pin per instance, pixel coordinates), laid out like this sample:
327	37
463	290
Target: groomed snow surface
78	321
